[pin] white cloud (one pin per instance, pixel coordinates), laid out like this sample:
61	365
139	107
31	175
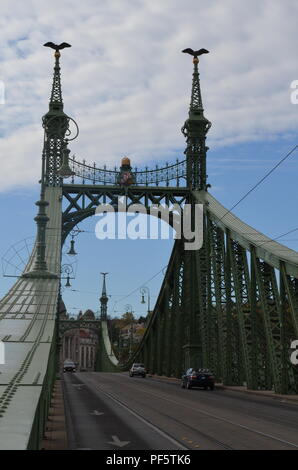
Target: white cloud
127	84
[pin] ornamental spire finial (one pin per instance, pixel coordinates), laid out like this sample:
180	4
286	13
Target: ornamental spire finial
56	102
196	103
195	129
56	127
103	299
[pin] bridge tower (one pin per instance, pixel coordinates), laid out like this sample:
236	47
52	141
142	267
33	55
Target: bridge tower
56	127
104	299
195	130
56	124
195	262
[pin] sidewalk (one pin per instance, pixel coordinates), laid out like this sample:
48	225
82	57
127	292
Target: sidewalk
261	393
55	435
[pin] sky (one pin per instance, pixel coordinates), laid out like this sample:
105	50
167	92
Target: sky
127	85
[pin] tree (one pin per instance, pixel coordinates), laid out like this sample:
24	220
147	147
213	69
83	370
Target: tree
128	318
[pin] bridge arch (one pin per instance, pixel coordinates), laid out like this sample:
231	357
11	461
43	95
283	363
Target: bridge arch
76	211
243	316
213	309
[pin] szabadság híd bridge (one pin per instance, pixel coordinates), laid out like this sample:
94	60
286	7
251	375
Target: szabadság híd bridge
230	306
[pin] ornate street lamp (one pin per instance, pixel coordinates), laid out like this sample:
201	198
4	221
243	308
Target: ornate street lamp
68	270
65	170
145	290
74	233
72	250
128	308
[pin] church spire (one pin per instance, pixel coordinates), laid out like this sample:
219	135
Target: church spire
195	129
104	299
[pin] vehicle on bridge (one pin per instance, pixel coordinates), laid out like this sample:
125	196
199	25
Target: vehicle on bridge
137	369
69	366
198	378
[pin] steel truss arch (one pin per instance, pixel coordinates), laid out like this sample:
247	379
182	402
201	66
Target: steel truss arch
82	201
224	307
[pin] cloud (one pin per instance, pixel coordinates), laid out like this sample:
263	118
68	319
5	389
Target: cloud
127	84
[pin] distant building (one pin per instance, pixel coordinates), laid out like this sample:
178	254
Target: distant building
81	344
138	330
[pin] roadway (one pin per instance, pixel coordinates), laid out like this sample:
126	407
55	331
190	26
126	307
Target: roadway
114	411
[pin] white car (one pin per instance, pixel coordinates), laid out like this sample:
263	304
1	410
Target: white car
137	369
69	366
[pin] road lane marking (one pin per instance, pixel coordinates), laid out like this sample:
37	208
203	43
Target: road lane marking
116	442
198	410
150	425
97	413
78	386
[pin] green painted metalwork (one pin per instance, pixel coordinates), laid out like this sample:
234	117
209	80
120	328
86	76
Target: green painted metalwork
104	299
56	125
221	307
240	272
195	129
170	175
213	310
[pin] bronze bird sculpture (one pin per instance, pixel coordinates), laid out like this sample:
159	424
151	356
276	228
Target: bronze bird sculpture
195	53
56	46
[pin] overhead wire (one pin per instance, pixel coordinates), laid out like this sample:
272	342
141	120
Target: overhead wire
139	287
260	181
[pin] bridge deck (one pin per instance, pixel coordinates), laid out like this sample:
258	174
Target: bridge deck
27	322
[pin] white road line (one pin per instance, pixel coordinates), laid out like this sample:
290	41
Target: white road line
150	425
116	442
198	410
97	413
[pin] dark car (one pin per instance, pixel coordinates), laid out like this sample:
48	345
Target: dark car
198	378
69	366
137	369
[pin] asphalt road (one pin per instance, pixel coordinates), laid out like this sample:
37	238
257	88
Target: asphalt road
114	411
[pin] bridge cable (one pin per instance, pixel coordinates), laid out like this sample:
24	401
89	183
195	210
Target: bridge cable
280	236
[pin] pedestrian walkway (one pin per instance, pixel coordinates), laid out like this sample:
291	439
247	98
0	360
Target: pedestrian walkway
55	435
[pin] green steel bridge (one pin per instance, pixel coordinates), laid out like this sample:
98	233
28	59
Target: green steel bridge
231	306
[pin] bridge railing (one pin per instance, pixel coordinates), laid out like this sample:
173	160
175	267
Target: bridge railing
170	175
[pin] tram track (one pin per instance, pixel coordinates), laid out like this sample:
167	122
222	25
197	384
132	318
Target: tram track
187	426
226	425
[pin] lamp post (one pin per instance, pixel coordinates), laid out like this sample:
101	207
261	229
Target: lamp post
145	290
128	308
74	233
72	251
68	270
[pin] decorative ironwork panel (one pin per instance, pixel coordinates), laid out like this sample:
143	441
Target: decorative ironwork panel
170	175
